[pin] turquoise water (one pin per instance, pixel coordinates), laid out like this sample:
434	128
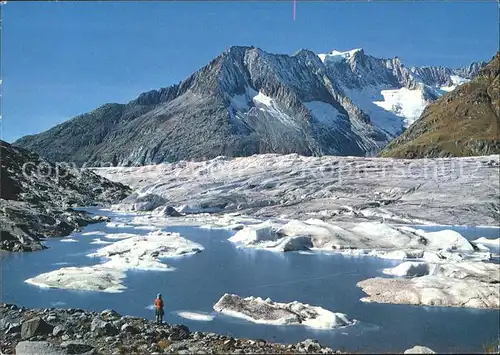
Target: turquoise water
200	280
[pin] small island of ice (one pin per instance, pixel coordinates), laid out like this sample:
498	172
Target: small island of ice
455	284
139	252
258	310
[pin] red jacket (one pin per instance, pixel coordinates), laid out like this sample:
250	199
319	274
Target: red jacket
158	303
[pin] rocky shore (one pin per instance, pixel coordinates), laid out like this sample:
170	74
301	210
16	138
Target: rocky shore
37	198
75	331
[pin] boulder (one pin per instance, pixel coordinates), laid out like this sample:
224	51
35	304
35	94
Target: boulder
178	332
418	349
35	326
101	327
309	345
39	348
110	314
58	330
128	328
76	347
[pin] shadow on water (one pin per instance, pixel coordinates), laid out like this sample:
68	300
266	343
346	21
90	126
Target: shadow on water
200	280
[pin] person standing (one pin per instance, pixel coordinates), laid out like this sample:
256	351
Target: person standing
159	309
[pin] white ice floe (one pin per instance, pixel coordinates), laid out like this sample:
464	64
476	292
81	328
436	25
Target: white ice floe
135	253
411	269
258	310
99	241
254	234
93	233
198	316
69	240
116	225
432	290
456	284
418	349
370	238
91	278
119	235
480	271
488	242
144	251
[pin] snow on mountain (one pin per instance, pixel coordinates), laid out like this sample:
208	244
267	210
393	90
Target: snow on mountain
247	101
392	95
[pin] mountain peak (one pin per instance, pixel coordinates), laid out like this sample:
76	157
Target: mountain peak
337	56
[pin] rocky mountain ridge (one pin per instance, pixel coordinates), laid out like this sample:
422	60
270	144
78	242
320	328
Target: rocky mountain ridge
464	122
247	101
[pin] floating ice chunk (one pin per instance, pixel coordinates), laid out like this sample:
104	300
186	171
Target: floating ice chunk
117	225
488	242
258	310
410	269
69	240
99	241
253	234
142	252
94	278
418	349
446	240
135	253
119	235
432	290
393	255
93	233
198	316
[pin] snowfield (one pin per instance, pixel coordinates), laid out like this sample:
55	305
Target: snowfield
258	310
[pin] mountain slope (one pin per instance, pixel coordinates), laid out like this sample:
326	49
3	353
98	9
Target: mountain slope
247	101
464	122
36	198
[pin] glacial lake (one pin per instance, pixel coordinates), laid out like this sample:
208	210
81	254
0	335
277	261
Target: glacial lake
200	280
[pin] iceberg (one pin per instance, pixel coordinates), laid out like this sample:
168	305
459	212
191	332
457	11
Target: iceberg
93	278
455	284
133	253
258	310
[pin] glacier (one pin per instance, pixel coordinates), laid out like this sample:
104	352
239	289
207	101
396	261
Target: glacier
349	205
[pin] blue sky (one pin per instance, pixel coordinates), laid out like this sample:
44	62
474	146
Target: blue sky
66	58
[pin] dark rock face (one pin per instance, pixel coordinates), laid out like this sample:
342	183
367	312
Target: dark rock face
36	198
246	101
35	326
464	122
